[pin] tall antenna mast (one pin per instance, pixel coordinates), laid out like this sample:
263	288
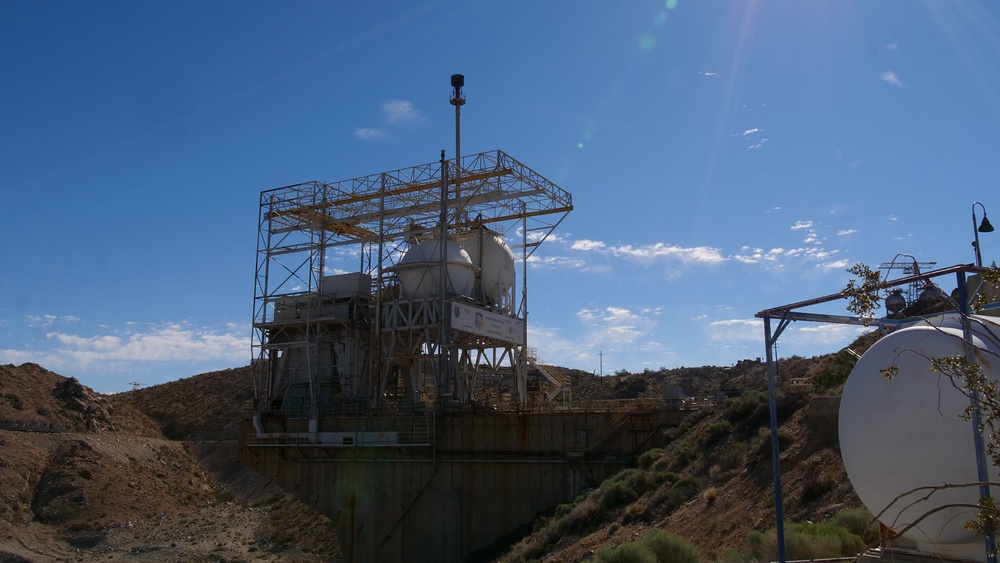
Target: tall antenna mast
458	100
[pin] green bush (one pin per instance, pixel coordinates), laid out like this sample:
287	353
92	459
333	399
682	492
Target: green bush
785	439
732	555
661	464
756	540
668	548
654	547
682	490
636	480
833	376
684	452
717	431
631	552
616	493
805	540
583	514
738	408
648	457
681	429
859	522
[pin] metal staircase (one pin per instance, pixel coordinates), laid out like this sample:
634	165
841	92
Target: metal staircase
559	382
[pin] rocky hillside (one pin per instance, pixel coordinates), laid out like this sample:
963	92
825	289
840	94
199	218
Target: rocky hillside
150	475
85	476
712	483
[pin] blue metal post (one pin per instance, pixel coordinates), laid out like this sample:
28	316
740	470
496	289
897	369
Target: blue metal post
779	515
982	473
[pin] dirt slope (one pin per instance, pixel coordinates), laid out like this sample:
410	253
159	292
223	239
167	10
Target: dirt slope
85	476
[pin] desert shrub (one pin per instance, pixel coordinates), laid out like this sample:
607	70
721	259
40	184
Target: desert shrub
756	540
730	456
661	464
668	547
584	514
640	481
858	521
805	540
710	494
785	439
681	429
566	508
682	490
616	493
683	453
632	552
739	408
732	555
815	485
648	457
717	431
834	373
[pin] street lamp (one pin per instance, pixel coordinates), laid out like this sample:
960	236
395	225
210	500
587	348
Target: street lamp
984	227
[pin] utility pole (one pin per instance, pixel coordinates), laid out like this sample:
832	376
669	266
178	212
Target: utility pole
601	354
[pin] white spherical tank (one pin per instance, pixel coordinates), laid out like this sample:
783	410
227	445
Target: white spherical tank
419	270
901	434
495	261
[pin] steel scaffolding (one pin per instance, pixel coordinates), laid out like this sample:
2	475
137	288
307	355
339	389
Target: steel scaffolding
322	338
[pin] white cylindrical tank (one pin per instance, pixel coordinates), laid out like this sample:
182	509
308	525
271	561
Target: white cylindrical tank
495	261
419	270
905	433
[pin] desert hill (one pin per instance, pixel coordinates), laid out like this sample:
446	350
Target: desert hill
150	475
85	476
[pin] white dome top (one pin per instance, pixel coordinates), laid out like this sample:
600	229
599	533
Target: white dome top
419	270
900	434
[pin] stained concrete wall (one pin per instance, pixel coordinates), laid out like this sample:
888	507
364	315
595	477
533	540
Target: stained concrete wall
486	475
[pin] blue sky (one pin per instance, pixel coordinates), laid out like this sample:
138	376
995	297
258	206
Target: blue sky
724	157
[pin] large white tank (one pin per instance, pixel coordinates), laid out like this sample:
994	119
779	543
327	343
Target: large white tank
419	270
495	261
900	434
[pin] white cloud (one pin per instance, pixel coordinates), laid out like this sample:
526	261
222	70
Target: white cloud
846	232
841	264
697	254
891	78
802	225
587	245
748	255
558	262
619	332
618	325
368	134
45	321
709	74
121	350
401	112
755	131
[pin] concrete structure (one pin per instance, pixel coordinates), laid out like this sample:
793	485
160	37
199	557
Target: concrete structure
427	486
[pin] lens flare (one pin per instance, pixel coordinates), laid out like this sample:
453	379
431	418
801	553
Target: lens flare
647	41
